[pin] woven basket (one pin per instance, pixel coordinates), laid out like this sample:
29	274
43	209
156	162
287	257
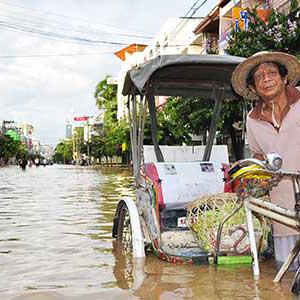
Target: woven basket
204	215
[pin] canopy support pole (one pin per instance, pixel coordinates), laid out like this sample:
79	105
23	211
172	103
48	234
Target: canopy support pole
136	117
213	124
132	112
153	119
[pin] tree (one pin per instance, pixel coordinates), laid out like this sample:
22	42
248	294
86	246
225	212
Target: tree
78	140
278	33
97	146
181	117
10	148
114	132
63	152
106	99
184	116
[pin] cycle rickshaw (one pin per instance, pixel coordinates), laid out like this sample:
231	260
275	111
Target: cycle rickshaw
161	218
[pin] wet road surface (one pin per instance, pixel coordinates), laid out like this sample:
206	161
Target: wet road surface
55	244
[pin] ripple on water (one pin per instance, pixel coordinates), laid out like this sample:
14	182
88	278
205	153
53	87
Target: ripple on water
56	244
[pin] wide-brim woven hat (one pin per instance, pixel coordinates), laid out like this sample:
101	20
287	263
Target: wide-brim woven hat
240	74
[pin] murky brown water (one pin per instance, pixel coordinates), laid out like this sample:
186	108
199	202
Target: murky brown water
55	244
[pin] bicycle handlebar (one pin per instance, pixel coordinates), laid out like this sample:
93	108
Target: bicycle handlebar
263	171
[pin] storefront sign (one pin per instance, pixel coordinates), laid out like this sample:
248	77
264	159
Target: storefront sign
240	18
81	118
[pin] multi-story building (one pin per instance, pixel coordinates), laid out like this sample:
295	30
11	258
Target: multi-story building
27	131
98	123
68	131
129	56
218	24
36	146
46	151
175	37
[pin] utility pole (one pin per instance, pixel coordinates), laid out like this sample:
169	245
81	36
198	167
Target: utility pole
88	141
86	119
73	146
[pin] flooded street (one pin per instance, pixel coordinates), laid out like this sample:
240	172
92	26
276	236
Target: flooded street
55	244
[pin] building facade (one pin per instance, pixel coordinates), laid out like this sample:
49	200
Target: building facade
227	14
175	37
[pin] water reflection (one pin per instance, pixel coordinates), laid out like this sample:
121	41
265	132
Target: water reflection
55	226
155	279
55	243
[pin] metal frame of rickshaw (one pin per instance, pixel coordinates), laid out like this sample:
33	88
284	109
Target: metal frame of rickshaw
253	205
203	76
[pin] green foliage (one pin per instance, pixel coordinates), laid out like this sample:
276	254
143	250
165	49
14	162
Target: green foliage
10	148
294	5
171	126
63	152
184	116
97	145
78	139
278	33
191	115
106	99
115	136
114	131
22	151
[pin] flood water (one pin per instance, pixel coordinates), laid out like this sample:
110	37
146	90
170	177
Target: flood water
56	244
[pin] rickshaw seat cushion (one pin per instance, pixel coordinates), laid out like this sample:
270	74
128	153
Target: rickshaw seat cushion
182	182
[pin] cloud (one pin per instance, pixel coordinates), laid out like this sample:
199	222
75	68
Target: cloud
46	91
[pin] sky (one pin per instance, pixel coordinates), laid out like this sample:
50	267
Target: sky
53	53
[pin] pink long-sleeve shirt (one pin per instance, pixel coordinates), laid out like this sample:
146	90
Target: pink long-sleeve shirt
263	138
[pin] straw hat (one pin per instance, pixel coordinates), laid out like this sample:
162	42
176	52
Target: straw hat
240	74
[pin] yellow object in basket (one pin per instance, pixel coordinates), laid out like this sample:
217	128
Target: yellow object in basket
251	172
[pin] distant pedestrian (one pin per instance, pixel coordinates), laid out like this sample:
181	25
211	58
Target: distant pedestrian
23	163
37	162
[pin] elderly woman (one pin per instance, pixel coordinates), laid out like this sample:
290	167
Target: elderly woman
273	125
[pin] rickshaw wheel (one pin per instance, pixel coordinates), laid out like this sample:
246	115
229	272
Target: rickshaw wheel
124	233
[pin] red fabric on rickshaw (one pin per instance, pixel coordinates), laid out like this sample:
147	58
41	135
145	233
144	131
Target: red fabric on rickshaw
228	187
152	173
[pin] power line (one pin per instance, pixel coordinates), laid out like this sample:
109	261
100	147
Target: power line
63	26
40	14
33	22
75	54
195	8
53	38
191	9
54	55
35	27
186	17
55	35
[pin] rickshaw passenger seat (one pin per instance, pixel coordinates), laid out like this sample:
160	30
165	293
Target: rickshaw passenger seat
181	182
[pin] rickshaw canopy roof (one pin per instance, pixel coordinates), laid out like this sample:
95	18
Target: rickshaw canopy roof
183	75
